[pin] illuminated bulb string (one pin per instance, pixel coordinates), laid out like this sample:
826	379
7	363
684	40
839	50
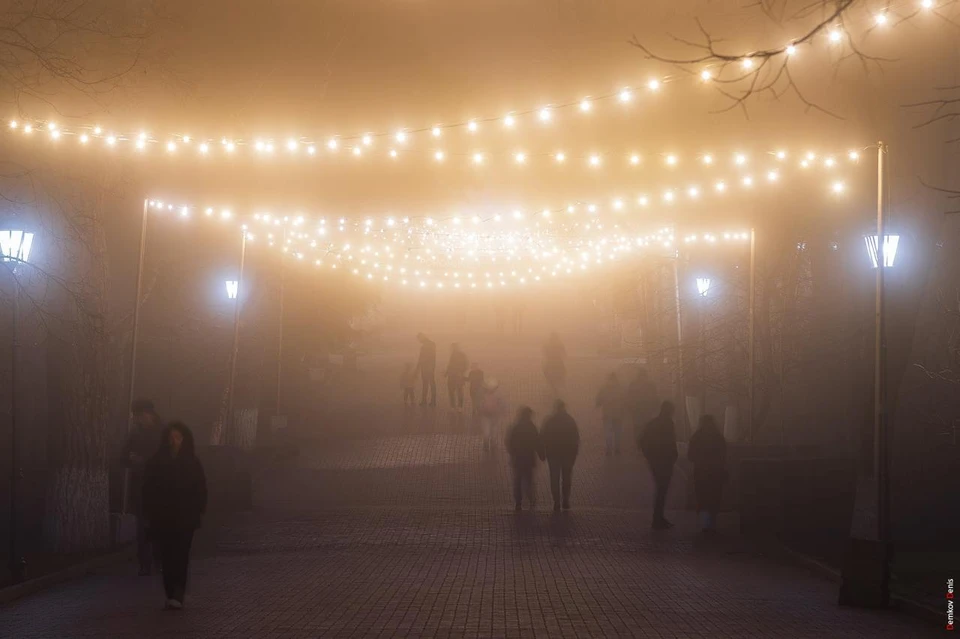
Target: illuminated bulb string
392	144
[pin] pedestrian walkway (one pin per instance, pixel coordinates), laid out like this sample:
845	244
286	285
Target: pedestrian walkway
406	528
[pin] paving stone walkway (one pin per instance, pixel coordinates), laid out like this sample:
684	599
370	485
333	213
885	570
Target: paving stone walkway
406	529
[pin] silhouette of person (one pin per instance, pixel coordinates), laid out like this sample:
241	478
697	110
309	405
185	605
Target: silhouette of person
610	400
491	411
659	445
456	376
427	367
708	453
174	501
524	445
561	443
407	382
475	381
140	446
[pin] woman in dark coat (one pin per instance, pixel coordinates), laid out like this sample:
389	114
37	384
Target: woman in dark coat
708	453
174	501
524	446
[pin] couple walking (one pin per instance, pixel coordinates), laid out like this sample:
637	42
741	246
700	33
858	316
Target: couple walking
557	442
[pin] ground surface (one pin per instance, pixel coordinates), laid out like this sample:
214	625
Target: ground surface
397	524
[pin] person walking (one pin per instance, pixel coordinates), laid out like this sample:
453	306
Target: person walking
561	443
708	454
456	376
525	447
610	400
407	382
492	411
427	367
139	447
658	442
475	382
174	501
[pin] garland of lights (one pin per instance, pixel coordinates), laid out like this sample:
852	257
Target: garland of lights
397	142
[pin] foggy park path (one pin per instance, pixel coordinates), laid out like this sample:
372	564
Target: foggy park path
395	523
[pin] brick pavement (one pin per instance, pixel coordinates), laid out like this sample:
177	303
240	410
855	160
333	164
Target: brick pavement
406	529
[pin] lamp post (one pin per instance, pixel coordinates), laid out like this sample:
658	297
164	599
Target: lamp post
15	247
233	292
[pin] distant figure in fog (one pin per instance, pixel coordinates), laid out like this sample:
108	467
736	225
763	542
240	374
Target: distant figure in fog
659	445
492	411
561	443
642	403
475	381
708	453
610	400
524	445
140	446
427	367
174	501
408	379
456	376
554	363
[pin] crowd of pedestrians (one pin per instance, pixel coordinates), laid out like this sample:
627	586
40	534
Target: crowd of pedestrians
557	440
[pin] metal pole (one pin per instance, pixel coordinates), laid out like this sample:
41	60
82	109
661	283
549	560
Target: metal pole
752	327
280	336
17	563
133	345
683	396
880	446
236	331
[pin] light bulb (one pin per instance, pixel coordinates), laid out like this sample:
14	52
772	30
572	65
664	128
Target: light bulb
520	157
509	121
561	156
653	84
55	134
625	95
708	159
438	156
204	148
231	147
835	35
357	151
367	140
854	156
140	144
311	150
790	50
332	144
747	63
84	138
740	159
693	191
97	130
545	114
478	158
671	160
594	160
436	131
472	126
585	105
838	187
171	146
772	176
401	136
721	187
880	19
291	145
186	139
748	181
927	4
634	159
781	155
643	200
393	153
705	75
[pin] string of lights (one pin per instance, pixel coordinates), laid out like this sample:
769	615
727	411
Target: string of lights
495	249
397	144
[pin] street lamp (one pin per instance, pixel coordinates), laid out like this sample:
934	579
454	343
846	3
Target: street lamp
15	247
890	244
233	289
703	285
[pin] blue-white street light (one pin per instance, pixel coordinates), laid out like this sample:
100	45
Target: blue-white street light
233	289
890	244
15	245
703	285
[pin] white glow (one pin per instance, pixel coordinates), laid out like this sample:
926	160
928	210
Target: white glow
881	19
594	160
545	114
672	160
625	95
635	159
472	126
438	156
705	75
436	132
890	245
791	50
836	35
561	157
367	140
233	289
708	159
740	159
332	144
653	85
204	148
84	138
520	157
15	245
585	105
747	63
401	136
171	146
703	286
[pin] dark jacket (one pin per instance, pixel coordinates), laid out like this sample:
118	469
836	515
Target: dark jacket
428	357
524	444
457	366
560	437
174	488
707	450
659	443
